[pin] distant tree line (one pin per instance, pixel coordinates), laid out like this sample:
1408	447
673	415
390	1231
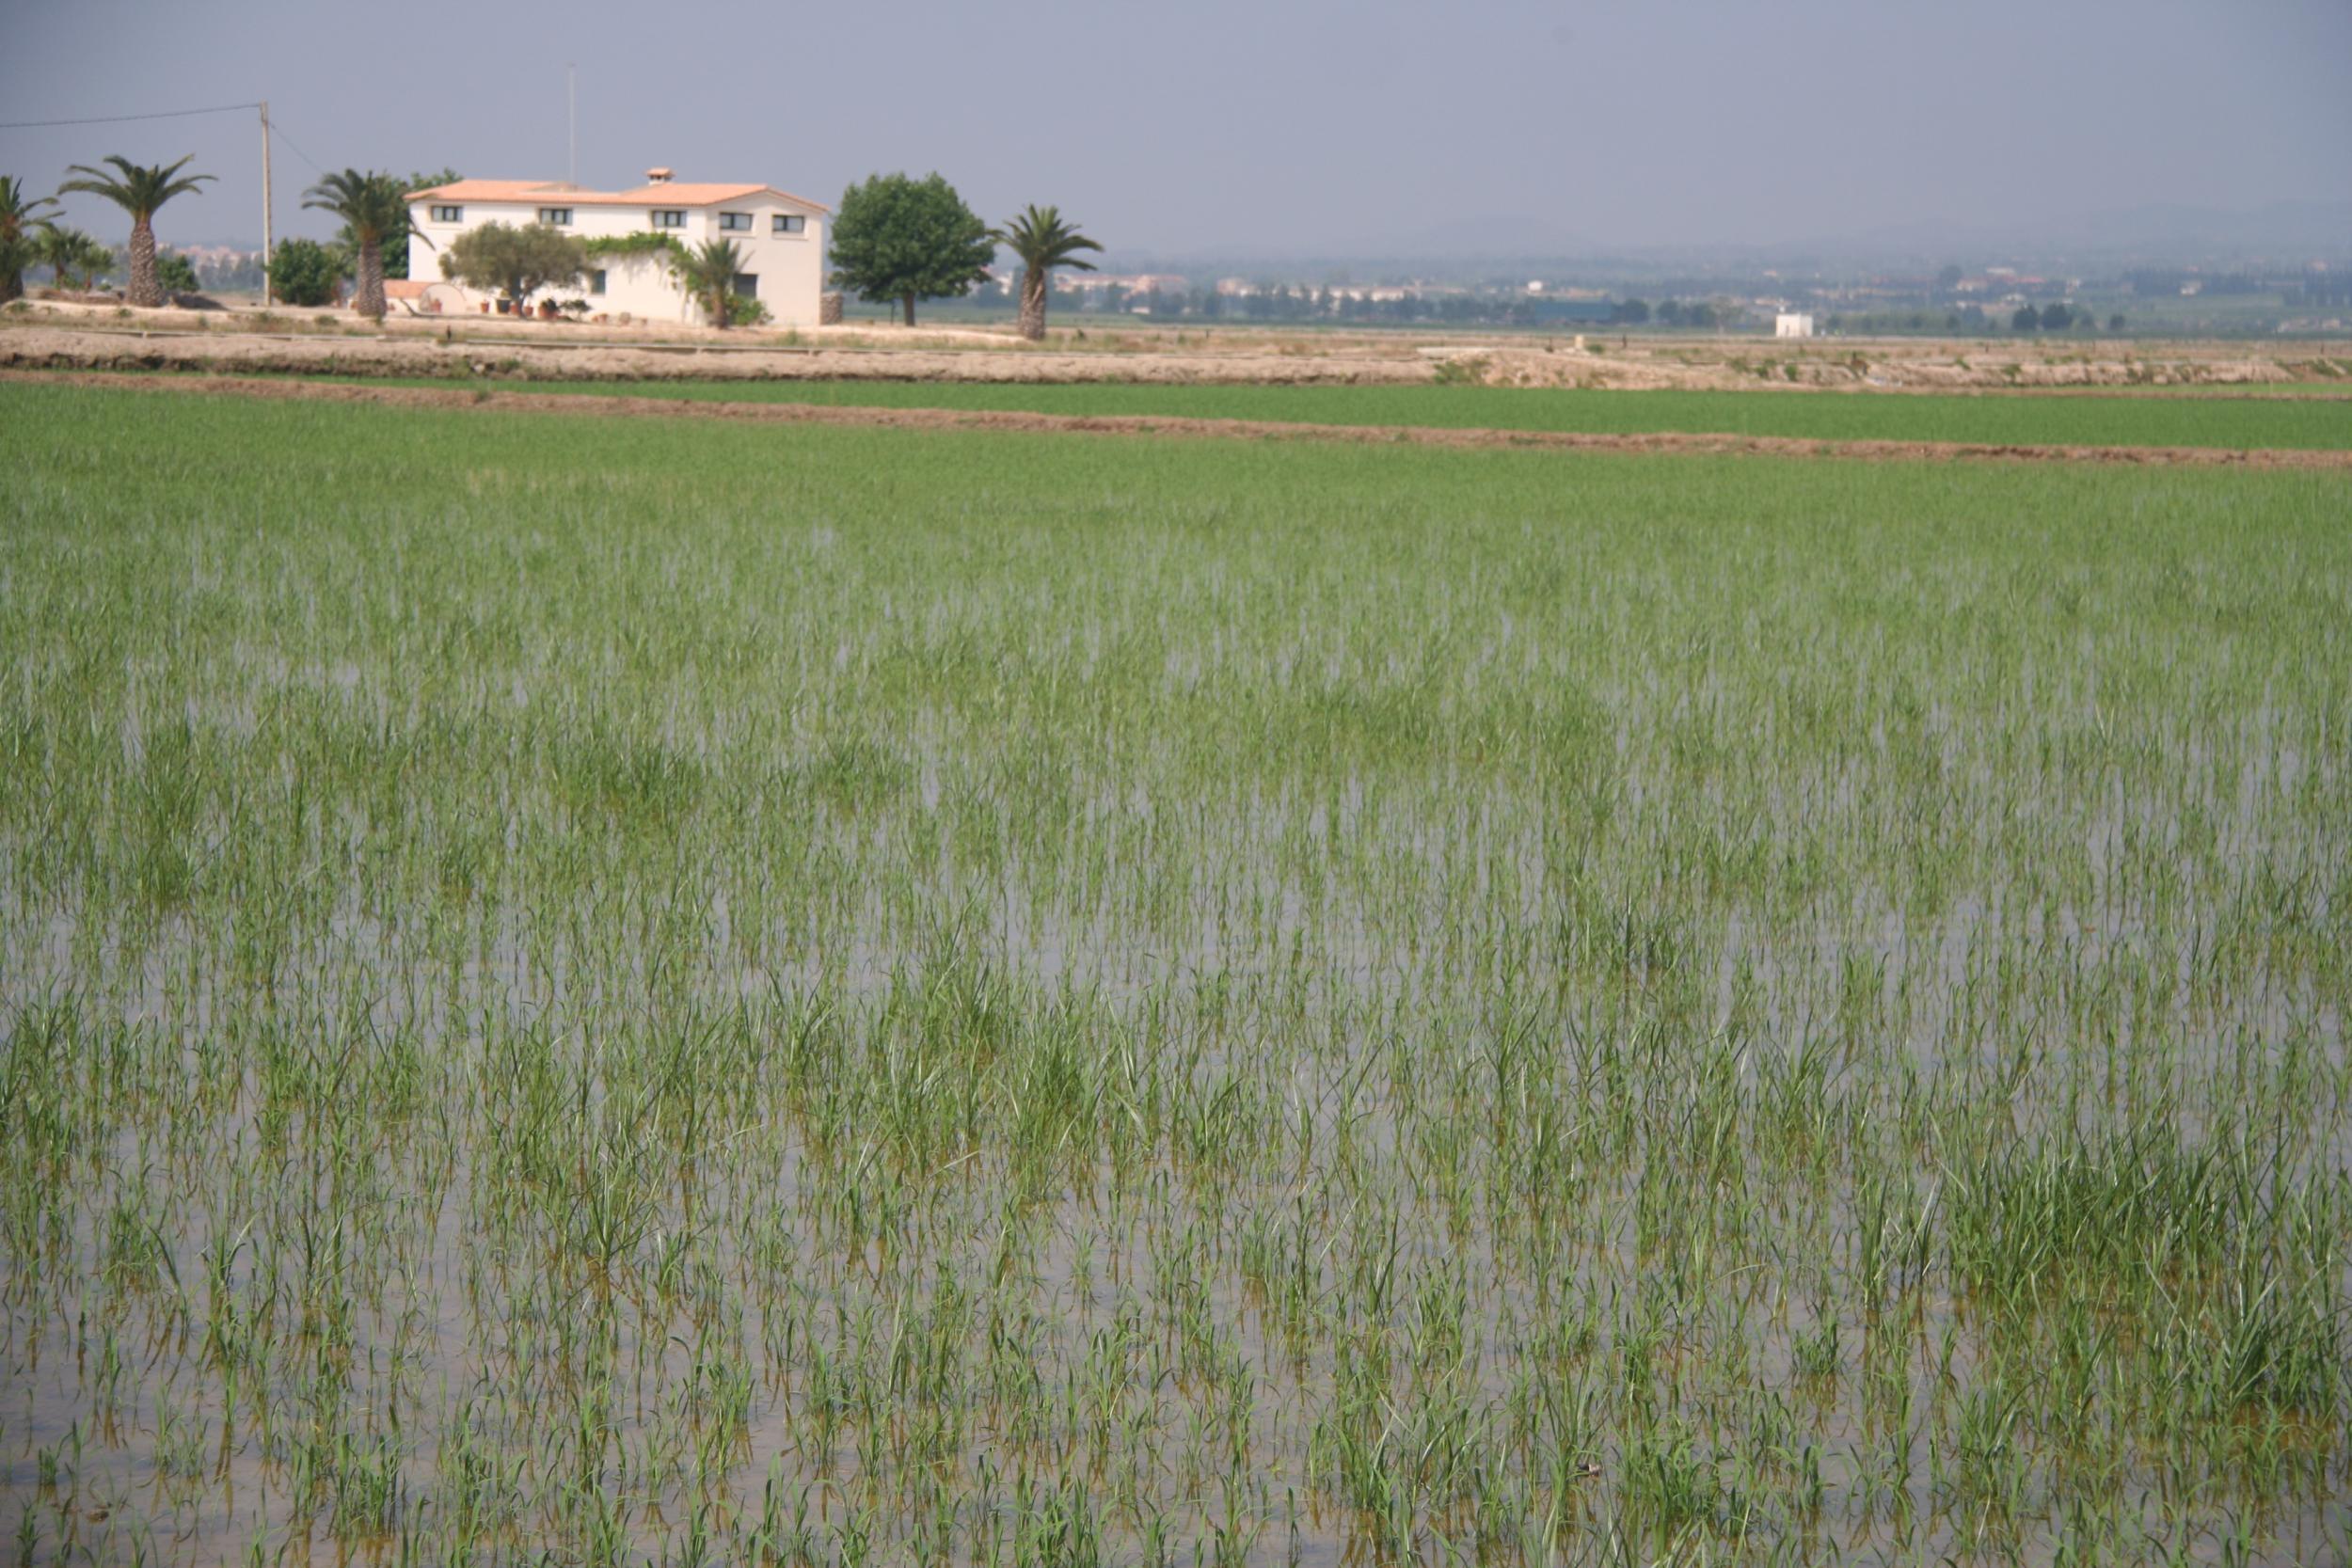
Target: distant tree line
1968	321
1278	304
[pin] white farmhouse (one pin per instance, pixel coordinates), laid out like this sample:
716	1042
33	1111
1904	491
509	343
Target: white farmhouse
1791	324
781	236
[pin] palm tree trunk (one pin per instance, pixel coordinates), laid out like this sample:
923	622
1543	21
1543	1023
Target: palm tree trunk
371	278
1033	305
909	300
145	291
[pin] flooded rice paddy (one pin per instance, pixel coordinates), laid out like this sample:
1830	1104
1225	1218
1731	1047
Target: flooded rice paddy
584	992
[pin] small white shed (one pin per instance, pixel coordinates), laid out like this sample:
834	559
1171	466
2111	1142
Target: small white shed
1791	324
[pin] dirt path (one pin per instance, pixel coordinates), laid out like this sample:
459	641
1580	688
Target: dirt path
621	405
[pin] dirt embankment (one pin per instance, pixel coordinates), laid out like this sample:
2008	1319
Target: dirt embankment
251	353
255	344
1878	367
622	405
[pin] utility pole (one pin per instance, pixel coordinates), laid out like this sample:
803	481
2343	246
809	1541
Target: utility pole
269	295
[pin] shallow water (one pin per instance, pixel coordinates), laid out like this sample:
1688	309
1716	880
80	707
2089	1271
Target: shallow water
1304	1012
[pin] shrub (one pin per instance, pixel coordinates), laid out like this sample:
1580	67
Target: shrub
176	274
304	272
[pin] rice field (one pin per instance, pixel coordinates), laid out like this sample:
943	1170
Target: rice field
615	991
2205	418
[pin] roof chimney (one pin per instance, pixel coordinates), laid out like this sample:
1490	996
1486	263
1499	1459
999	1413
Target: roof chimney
656	177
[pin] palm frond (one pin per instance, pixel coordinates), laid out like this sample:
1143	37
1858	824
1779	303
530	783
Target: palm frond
1043	241
373	205
136	188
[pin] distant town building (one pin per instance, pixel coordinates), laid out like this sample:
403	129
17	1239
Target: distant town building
781	237
1133	283
1792	324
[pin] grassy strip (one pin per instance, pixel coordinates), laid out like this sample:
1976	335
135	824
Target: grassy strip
2231	424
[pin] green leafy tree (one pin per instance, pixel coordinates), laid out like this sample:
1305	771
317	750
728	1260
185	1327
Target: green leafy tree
140	191
2114	323
374	207
2026	319
24	217
2056	317
901	239
516	260
709	274
304	272
175	272
1043	242
396	258
1634	311
71	255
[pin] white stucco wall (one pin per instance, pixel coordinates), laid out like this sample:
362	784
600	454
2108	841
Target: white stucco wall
789	267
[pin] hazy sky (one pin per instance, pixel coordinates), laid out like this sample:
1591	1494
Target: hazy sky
1253	126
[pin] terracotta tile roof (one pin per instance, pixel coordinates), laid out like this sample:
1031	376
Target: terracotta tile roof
405	287
553	193
671	192
487	190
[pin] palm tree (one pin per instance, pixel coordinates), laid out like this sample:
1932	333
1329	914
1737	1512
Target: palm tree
709	275
68	252
375	208
138	191
22	221
1043	242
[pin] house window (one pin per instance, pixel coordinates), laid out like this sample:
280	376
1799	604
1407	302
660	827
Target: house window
746	284
448	214
595	281
789	223
669	218
556	218
735	222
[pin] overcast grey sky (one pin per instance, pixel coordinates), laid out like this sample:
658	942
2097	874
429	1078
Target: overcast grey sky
1257	126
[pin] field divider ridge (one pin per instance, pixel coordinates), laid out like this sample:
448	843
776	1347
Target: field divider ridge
485	398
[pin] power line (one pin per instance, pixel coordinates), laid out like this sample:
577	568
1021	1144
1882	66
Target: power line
276	130
115	120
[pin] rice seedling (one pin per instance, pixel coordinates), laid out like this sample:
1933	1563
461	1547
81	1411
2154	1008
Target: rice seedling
582	991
